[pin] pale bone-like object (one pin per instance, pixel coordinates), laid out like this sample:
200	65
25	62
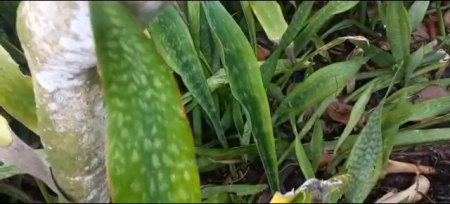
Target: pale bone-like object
57	40
412	194
403	167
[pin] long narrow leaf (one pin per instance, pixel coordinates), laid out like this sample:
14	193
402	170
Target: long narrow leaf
365	160
173	41
148	160
16	92
246	84
316	87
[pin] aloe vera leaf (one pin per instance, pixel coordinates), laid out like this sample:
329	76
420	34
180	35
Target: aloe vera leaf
173	41
398	29
316	87
355	115
147	159
245	82
239	189
16	92
365	161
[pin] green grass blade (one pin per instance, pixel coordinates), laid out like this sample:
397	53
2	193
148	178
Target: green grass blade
398	29
365	160
173	41
16	92
147	159
302	159
245	82
271	18
316	87
316	145
355	115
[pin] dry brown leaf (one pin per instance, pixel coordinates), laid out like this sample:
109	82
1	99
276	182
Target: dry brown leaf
340	112
262	53
420	34
430	92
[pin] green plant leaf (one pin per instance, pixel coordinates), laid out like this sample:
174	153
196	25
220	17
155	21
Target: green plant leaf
398	29
365	160
411	112
251	27
173	41
414	60
355	115
417	12
16	92
148	160
238	189
316	145
245	82
316	87
271	18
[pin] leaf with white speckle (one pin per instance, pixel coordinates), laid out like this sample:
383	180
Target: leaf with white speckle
148	160
173	40
365	161
244	77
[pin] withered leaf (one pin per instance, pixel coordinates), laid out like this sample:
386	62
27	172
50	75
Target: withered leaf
340	112
430	92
